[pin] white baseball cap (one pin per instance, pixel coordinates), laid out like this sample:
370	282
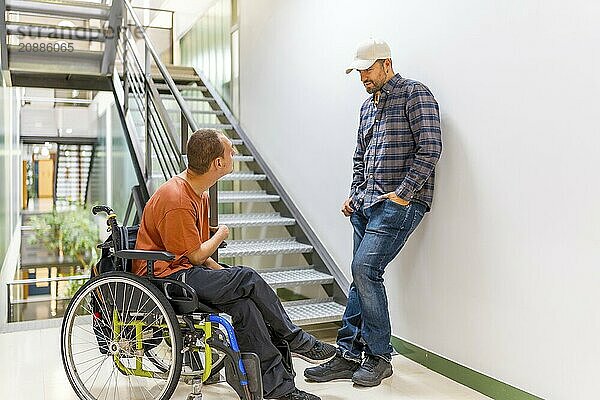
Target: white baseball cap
368	52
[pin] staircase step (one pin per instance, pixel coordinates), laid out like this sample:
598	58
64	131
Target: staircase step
238	248
295	277
195	112
175	68
162	87
170	97
176	78
236	142
244	176
72	164
215	126
76	147
246	220
242	158
246	197
314	311
76	9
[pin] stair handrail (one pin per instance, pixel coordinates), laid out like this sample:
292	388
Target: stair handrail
154	98
137	78
163	70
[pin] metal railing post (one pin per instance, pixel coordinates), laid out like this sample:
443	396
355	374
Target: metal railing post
147	75
125	63
184	133
8	304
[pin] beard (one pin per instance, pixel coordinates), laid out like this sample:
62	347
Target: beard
374	87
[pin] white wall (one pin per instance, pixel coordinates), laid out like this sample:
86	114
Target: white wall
503	274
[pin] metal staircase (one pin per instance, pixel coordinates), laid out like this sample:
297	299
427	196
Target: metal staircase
159	106
73	166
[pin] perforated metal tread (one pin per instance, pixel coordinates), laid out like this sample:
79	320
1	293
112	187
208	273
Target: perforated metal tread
246	197
241	158
295	277
238	248
244	176
195	112
314	311
215	126
245	220
170	97
177	78
163	86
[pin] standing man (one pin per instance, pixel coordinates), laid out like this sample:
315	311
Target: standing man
399	143
176	220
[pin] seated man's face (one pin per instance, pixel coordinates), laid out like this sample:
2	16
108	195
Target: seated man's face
228	154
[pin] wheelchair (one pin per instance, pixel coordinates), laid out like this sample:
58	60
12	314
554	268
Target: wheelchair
130	337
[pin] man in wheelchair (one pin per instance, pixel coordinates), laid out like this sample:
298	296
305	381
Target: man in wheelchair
176	220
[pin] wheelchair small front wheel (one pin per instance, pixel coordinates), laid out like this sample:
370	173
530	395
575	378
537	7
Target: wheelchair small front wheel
108	327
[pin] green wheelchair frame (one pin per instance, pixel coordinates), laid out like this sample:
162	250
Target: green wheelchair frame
139	326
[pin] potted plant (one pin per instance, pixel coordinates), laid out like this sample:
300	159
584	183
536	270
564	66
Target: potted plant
72	235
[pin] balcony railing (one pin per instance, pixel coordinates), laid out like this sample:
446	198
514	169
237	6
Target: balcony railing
23	307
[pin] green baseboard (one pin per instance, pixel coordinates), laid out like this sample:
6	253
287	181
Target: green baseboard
475	380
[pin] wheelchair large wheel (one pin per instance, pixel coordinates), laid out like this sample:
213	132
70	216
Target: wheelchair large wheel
108	328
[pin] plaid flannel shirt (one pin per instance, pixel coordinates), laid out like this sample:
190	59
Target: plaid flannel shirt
399	143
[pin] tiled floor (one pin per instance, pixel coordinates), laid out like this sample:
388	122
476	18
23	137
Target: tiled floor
31	369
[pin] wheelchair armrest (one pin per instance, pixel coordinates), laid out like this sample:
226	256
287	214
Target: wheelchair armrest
182	296
184	302
145	255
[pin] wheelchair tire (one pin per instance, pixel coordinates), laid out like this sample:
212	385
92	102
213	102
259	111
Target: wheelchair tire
106	328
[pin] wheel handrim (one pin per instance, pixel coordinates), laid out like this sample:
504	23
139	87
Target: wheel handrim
114	366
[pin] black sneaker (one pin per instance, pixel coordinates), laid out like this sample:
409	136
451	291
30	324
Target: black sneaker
319	352
298	394
336	368
372	371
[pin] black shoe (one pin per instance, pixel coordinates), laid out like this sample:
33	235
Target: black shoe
336	368
298	394
372	371
319	352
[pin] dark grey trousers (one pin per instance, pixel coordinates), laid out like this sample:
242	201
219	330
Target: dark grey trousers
254	307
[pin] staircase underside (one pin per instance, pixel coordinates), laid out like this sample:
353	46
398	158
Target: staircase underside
59	80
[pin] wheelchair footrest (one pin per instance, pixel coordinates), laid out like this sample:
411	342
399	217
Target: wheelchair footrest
253	375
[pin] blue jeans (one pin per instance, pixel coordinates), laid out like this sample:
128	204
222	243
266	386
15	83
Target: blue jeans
380	232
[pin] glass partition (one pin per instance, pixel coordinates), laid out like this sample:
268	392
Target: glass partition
207	46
